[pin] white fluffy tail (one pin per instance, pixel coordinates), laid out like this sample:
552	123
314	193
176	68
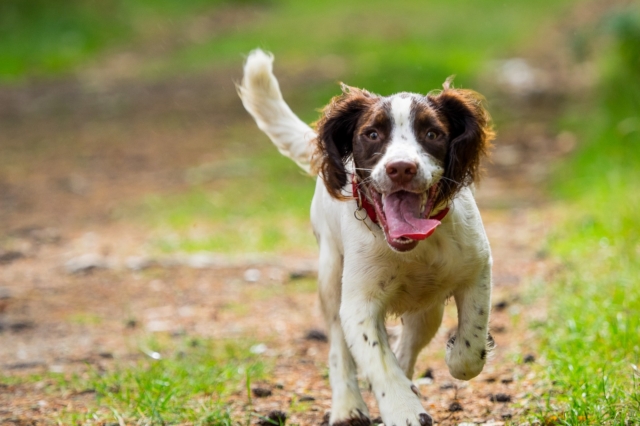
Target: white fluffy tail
261	96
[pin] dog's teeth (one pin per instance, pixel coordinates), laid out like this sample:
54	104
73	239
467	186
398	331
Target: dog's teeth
423	201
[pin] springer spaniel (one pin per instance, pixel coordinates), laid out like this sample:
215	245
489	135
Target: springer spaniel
398	229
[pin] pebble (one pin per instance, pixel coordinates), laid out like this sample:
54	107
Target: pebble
306	398
275	417
85	263
317	335
252	275
261	392
9	256
500	397
258	349
138	263
455	406
529	358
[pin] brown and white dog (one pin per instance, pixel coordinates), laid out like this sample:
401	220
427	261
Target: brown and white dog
391	170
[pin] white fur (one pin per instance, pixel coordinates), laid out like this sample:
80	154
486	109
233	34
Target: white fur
361	279
260	94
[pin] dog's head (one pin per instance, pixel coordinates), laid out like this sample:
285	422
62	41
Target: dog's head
412	153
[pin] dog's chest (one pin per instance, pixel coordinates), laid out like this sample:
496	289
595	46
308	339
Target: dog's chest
408	287
427	278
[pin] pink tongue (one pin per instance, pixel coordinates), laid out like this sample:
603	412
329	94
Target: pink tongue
402	211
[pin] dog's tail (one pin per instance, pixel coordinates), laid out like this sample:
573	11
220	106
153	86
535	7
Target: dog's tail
261	96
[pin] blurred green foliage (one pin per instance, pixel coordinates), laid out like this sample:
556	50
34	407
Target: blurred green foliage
49	37
592	339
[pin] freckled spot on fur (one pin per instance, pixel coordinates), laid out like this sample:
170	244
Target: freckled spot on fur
366	338
381	284
383	394
451	341
475	335
374	344
466	342
483	354
481	312
478	327
361	322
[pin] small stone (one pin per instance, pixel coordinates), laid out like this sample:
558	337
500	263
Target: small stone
261	392
428	374
252	275
274	418
529	358
85	263
506	416
446	386
9	256
455	406
500	397
316	335
258	349
302	273
20	326
501	305
306	398
138	263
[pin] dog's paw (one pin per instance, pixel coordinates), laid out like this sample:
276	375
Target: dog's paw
465	360
356	418
420	419
404	409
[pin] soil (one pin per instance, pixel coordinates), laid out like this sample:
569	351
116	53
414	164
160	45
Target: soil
72	153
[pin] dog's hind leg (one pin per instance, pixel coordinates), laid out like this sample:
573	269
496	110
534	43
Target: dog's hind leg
347	405
417	331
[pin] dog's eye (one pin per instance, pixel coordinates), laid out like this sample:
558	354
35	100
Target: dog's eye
432	135
373	135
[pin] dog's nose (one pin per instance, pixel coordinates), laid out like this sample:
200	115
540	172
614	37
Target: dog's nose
401	171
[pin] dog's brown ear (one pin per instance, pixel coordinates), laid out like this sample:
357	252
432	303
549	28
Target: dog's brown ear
336	129
470	136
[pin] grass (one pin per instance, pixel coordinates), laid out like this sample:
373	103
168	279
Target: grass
45	38
261	205
190	383
592	338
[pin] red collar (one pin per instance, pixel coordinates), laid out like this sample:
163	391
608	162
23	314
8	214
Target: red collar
371	212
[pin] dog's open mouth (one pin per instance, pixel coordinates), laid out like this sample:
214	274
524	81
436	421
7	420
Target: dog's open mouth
404	217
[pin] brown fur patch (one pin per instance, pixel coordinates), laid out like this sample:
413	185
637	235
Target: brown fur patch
470	136
336	128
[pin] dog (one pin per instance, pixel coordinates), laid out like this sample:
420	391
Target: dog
398	231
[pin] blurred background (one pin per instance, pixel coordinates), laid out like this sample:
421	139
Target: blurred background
140	206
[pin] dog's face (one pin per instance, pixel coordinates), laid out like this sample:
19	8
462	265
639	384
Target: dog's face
412	153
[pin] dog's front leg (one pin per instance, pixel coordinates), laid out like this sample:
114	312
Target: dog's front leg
347	405
362	316
467	350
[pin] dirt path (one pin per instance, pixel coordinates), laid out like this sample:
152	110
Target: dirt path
70	155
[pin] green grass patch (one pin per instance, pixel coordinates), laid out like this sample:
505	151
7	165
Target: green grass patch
592	338
50	37
385	47
254	204
190	384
